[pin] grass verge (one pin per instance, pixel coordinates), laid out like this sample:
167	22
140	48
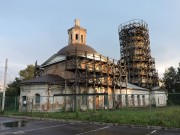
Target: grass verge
166	117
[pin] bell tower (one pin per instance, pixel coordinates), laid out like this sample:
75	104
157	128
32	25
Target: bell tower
77	34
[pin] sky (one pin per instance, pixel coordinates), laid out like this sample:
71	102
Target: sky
33	30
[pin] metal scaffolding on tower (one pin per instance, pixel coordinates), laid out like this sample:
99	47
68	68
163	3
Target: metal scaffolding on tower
135	51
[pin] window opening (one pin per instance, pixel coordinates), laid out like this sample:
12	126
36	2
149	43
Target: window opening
82	38
76	36
24	100
37	99
71	37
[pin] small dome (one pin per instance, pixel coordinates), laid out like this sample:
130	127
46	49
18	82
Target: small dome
72	48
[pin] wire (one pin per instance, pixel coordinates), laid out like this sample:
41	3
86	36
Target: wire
11	72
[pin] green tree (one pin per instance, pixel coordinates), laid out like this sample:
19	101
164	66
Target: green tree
27	73
178	74
169	78
178	80
13	89
172	83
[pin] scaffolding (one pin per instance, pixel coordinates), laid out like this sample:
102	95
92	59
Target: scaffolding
96	71
135	51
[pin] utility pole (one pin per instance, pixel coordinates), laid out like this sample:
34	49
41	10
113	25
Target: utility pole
4	87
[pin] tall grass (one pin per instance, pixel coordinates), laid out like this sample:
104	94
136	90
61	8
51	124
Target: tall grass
166	117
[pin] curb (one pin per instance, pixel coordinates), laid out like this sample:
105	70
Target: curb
97	123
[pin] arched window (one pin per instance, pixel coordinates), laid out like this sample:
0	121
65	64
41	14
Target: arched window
37	99
71	37
76	36
82	39
24	98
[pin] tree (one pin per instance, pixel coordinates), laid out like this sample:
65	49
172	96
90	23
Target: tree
172	84
27	73
13	89
169	78
178	74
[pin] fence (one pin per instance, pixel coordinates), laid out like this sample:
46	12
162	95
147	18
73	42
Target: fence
11	104
83	102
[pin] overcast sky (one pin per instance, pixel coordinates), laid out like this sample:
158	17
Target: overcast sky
33	30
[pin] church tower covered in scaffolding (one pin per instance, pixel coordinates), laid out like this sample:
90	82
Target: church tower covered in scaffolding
135	50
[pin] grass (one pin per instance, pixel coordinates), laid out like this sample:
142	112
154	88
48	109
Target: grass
166	117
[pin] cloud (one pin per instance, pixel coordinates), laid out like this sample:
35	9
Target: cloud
166	53
1	86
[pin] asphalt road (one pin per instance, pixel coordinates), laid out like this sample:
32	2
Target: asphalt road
12	126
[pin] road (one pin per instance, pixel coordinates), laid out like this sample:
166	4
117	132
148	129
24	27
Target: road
12	126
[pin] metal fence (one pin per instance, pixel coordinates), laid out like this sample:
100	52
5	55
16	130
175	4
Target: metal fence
60	103
11	104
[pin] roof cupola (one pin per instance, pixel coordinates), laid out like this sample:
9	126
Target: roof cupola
77	34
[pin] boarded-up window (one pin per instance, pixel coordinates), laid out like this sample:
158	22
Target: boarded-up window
132	100
105	100
37	99
143	99
84	98
138	100
126	99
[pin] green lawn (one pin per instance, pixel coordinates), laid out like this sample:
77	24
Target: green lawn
166	117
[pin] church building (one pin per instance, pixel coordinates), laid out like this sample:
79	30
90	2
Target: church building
77	77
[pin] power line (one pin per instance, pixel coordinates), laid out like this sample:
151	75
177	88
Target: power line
12	73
